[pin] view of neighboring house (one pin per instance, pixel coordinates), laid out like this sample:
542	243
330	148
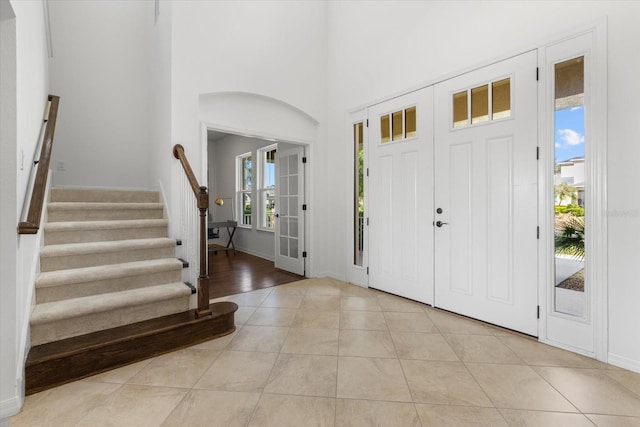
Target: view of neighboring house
571	172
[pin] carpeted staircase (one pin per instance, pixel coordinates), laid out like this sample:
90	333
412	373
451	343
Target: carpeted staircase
110	290
106	262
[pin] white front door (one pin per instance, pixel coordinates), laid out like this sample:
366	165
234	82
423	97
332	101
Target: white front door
289	236
486	194
401	197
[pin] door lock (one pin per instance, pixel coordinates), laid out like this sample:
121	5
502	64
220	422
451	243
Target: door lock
440	223
439	210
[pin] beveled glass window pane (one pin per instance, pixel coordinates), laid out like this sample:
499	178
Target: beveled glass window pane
293	248
397	125
385	132
480	104
460	111
410	122
293	164
293	227
284	246
284	226
293	206
501	99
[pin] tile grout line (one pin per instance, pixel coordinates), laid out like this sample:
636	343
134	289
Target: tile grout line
255	409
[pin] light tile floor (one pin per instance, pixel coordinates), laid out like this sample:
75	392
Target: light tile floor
324	353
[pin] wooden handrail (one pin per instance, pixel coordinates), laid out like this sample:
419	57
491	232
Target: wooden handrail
32	223
202	198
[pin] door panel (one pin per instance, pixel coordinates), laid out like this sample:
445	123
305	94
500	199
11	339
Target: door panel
485	184
289	234
400	152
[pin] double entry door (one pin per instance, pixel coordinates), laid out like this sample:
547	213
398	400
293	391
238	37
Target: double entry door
453	194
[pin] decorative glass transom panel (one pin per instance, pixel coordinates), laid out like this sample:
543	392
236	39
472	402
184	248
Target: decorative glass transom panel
398	125
482	103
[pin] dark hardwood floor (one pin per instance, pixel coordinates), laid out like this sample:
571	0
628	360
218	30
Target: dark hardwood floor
231	274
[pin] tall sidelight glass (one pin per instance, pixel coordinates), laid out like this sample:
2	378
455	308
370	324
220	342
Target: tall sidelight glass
570	288
358	194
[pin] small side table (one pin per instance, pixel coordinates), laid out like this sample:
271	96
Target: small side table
231	230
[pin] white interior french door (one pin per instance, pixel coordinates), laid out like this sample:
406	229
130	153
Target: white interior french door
486	194
289	230
400	202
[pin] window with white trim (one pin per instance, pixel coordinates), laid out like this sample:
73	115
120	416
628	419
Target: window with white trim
244	185
267	187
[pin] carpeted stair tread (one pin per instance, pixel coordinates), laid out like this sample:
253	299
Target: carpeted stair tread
70	249
97	211
90	305
98	231
89	254
72	206
104	225
104	272
102	195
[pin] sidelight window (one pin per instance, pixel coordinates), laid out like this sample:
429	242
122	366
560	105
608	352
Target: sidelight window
358	193
569	187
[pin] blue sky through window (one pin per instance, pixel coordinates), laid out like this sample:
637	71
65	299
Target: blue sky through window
569	133
270	175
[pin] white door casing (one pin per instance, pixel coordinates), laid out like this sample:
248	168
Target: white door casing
289	230
356	274
486	186
400	204
584	334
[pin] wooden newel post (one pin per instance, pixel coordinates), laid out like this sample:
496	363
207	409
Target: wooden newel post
202	198
203	279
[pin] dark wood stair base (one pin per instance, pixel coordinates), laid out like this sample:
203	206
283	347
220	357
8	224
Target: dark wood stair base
56	363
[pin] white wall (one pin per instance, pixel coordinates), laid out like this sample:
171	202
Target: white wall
24	86
162	161
418	42
102	69
275	49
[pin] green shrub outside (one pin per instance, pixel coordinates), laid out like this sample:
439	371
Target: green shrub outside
570	209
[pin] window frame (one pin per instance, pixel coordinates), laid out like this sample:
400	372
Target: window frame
469	98
241	190
262	189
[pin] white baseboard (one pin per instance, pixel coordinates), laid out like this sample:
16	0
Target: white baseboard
624	362
331	275
268	257
9	408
